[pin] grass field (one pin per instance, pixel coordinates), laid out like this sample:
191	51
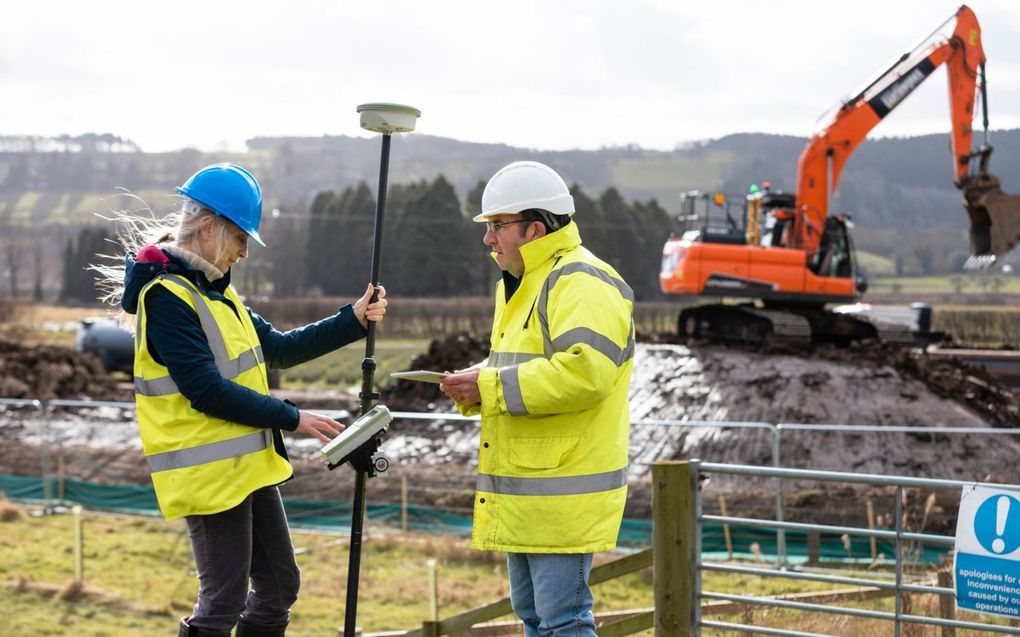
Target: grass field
138	579
876	265
342	369
963	284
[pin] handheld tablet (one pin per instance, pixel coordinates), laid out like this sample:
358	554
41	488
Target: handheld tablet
421	375
356	434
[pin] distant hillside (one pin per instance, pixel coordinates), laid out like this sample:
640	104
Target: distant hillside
888	183
899	191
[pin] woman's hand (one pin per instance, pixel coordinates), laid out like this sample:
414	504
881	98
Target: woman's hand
366	311
318	426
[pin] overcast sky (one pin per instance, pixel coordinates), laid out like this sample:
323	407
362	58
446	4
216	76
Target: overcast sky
538	74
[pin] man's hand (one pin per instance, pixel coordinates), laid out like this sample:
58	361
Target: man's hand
366	311
318	426
462	386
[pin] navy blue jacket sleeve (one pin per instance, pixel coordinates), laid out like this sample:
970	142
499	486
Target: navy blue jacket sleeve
176	340
300	345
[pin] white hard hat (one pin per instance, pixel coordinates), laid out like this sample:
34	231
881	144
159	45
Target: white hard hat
524	185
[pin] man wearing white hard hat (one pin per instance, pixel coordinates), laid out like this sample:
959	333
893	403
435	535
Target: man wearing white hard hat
552	395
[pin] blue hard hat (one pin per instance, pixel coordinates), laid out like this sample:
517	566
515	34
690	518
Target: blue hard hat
229	191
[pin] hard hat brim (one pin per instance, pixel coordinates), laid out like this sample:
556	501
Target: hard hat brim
254	234
558	205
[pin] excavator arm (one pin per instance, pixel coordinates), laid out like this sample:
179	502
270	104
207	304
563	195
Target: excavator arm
995	216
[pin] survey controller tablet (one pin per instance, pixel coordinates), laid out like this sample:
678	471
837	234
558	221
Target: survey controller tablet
421	375
358	433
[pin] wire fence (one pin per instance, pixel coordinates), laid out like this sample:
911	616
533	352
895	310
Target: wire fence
441	503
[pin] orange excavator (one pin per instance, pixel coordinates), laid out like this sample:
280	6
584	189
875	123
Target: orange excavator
787	257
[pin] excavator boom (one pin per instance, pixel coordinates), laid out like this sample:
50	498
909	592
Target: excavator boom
995	216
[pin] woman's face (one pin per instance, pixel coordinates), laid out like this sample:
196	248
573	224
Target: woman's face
226	242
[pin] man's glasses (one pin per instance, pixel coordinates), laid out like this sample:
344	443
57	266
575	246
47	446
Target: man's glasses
494	226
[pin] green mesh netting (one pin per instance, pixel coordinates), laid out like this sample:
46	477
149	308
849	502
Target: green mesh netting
337	516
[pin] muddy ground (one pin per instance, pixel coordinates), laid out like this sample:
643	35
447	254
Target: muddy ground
693	383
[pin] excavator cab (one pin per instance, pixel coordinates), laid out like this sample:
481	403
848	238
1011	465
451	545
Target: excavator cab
834	257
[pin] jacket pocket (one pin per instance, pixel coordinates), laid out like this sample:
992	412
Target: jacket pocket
541	452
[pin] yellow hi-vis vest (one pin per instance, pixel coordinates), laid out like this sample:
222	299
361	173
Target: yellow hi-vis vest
200	464
553	457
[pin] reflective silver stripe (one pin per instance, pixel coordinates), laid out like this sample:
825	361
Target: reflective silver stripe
628	352
598	273
211	452
248	359
570	485
209	325
162	386
504	359
596	341
512	391
563	342
229	368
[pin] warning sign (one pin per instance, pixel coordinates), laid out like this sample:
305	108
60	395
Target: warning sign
987	569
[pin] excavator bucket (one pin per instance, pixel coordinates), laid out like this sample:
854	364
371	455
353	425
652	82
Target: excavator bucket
994	219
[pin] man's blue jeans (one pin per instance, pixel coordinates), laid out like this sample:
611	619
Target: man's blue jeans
550	594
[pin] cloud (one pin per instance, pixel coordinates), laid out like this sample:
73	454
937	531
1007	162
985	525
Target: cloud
535	74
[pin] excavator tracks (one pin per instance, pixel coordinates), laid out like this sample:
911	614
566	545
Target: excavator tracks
786	327
744	324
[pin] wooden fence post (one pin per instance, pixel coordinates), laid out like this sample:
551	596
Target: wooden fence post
433	586
79	544
814	548
675	544
946	606
403	502
726	528
873	541
60	477
430	629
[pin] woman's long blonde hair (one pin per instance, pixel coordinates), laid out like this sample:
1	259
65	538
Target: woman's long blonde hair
140	227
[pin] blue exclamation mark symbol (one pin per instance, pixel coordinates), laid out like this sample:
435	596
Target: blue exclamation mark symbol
997	524
1001	513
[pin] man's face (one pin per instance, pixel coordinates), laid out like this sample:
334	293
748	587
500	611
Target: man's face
505	234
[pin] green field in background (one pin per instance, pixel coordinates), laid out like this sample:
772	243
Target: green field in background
341	370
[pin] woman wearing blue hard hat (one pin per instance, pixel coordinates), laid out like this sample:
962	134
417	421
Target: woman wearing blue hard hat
210	431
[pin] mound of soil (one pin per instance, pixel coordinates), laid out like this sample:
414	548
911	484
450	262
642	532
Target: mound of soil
456	351
947	378
46	372
969	386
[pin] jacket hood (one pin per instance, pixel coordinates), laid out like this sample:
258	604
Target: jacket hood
150	262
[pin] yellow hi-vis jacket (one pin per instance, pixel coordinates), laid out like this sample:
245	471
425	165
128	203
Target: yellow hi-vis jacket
200	464
552	460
